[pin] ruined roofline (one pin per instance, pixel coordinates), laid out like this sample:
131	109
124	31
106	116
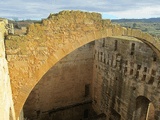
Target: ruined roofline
71	22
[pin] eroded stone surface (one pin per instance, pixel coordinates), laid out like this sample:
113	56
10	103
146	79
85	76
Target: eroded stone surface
124	71
63	85
6	103
30	56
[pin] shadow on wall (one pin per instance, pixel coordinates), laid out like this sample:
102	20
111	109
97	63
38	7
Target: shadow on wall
144	109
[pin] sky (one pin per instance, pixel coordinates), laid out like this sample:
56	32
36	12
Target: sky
112	9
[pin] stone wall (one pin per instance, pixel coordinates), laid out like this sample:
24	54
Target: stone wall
126	79
31	55
64	89
6	103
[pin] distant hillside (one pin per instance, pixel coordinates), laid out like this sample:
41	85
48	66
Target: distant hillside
22	23
150	20
151	25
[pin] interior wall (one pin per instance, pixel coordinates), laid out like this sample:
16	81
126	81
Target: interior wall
117	70
123	70
65	84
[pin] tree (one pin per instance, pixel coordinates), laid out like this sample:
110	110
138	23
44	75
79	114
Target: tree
134	25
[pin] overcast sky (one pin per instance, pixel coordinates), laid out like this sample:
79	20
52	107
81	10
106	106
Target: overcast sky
37	9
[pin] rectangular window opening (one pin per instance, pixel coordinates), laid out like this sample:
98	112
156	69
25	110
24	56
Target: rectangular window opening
145	69
87	87
151	80
154	57
132	48
86	113
153	72
131	72
104	60
125	70
115	47
137	74
138	67
103	42
144	78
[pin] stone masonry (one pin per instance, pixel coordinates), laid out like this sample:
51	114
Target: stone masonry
30	56
6	103
125	69
67	83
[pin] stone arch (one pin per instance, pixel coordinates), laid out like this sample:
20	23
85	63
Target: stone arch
145	109
30	56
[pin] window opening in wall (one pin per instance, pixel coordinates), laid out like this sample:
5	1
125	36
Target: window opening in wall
87	87
138	67
126	62
120	64
98	55
144	109
38	113
158	85
125	69
112	61
86	112
115	47
115	64
103	42
154	58
132	48
153	72
144	78
104	60
132	52
132	64
101	56
151	80
145	69
137	74
131	72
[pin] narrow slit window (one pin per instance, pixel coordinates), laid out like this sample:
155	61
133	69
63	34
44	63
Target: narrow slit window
151	80
98	56
103	42
154	58
87	87
145	69
104	60
144	78
137	74
125	70
115	47
138	67
153	72
131	72
132	48
86	112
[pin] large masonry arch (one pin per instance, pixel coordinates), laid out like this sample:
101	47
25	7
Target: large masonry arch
30	56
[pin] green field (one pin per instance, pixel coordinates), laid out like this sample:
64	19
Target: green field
152	27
